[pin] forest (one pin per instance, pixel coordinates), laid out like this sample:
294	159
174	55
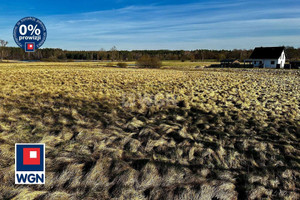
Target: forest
56	54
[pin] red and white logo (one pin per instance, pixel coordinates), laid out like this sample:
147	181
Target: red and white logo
30	163
31	156
30	46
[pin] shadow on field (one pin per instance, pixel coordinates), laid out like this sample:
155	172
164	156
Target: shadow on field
95	149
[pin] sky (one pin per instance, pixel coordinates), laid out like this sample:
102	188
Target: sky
153	24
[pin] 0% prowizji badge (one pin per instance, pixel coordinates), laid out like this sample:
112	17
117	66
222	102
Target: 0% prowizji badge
30	33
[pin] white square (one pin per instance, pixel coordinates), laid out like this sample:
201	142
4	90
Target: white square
33	154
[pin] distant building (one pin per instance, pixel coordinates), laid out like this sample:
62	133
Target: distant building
295	64
229	62
268	57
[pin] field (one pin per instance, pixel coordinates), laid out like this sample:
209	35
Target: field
115	133
186	65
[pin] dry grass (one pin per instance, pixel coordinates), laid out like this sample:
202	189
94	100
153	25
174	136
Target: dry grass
186	64
152	134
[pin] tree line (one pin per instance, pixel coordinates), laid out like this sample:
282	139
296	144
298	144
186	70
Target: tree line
54	54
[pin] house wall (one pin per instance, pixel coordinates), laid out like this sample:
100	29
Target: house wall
270	63
257	62
281	60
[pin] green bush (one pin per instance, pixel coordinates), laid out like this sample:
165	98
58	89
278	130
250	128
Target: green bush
122	64
149	62
109	64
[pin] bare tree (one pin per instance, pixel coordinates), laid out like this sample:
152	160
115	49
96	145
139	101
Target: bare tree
3	44
114	53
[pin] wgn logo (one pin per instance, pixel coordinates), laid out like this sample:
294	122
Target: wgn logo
30	163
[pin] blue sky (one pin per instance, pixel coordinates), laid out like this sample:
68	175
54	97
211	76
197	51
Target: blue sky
165	24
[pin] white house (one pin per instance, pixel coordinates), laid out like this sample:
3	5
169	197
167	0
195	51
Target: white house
268	57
